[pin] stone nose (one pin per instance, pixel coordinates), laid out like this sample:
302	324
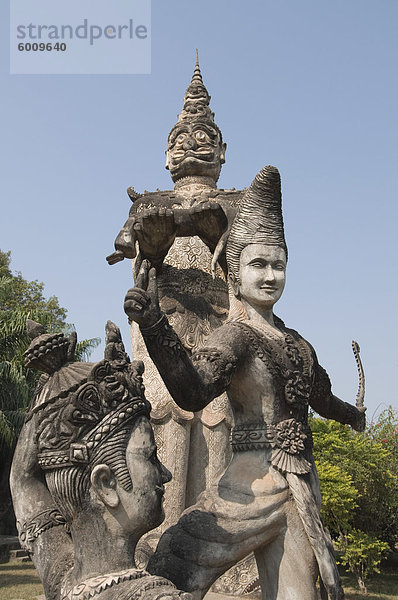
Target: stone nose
166	475
269	273
189	143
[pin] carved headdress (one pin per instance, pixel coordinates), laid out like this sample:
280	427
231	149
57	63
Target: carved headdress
207	149
259	218
197	101
79	406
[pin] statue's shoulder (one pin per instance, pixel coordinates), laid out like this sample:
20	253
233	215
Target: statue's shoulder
307	350
292	332
233	337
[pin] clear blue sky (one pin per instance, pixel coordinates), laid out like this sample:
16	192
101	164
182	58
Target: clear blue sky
309	86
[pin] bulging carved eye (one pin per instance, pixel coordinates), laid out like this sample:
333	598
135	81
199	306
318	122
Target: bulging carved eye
200	136
87	406
181	137
88	398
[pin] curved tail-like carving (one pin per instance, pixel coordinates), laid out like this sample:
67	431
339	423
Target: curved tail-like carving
361	387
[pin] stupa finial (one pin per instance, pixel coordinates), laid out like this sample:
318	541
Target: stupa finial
197	98
195	135
197	75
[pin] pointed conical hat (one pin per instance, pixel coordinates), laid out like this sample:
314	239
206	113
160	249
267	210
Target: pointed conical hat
196	102
259	219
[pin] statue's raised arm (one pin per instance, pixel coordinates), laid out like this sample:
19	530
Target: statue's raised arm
192	381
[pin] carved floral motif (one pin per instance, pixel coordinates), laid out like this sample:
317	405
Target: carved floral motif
289	436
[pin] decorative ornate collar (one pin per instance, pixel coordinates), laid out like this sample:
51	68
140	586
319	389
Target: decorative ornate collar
288	356
268	330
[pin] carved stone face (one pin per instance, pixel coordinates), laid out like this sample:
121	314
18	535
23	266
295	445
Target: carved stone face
262	274
142	507
195	149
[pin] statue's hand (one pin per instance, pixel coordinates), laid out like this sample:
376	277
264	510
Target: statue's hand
155	229
141	303
209	221
361	419
124	243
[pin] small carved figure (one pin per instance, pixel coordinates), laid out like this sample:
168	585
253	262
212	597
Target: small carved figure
86	480
268	499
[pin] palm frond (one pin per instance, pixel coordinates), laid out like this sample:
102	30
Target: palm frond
85	348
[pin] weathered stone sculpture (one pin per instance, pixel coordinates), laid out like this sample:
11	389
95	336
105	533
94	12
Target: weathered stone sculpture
178	230
86	480
268	499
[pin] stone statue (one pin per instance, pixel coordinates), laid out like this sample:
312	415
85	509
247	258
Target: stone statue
178	230
86	480
267	500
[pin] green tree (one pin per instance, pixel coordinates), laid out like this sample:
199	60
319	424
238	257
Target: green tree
358	478
362	554
19	300
368	463
16	293
339	497
385	431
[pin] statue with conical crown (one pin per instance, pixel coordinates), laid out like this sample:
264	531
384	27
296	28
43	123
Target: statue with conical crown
267	498
181	232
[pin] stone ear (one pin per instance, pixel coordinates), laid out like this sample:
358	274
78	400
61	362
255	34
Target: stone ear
234	283
222	153
167	165
103	483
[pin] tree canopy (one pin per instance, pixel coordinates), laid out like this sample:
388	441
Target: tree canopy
21	299
358	473
17	293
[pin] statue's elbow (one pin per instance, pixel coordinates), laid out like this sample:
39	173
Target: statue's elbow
193	400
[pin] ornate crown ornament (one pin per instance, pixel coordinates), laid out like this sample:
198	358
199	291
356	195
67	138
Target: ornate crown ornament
197	98
259	218
53	354
47	352
80	405
196	103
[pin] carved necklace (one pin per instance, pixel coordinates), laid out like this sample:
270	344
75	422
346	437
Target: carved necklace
297	380
268	330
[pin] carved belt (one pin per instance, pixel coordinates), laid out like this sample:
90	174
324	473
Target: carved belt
288	440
